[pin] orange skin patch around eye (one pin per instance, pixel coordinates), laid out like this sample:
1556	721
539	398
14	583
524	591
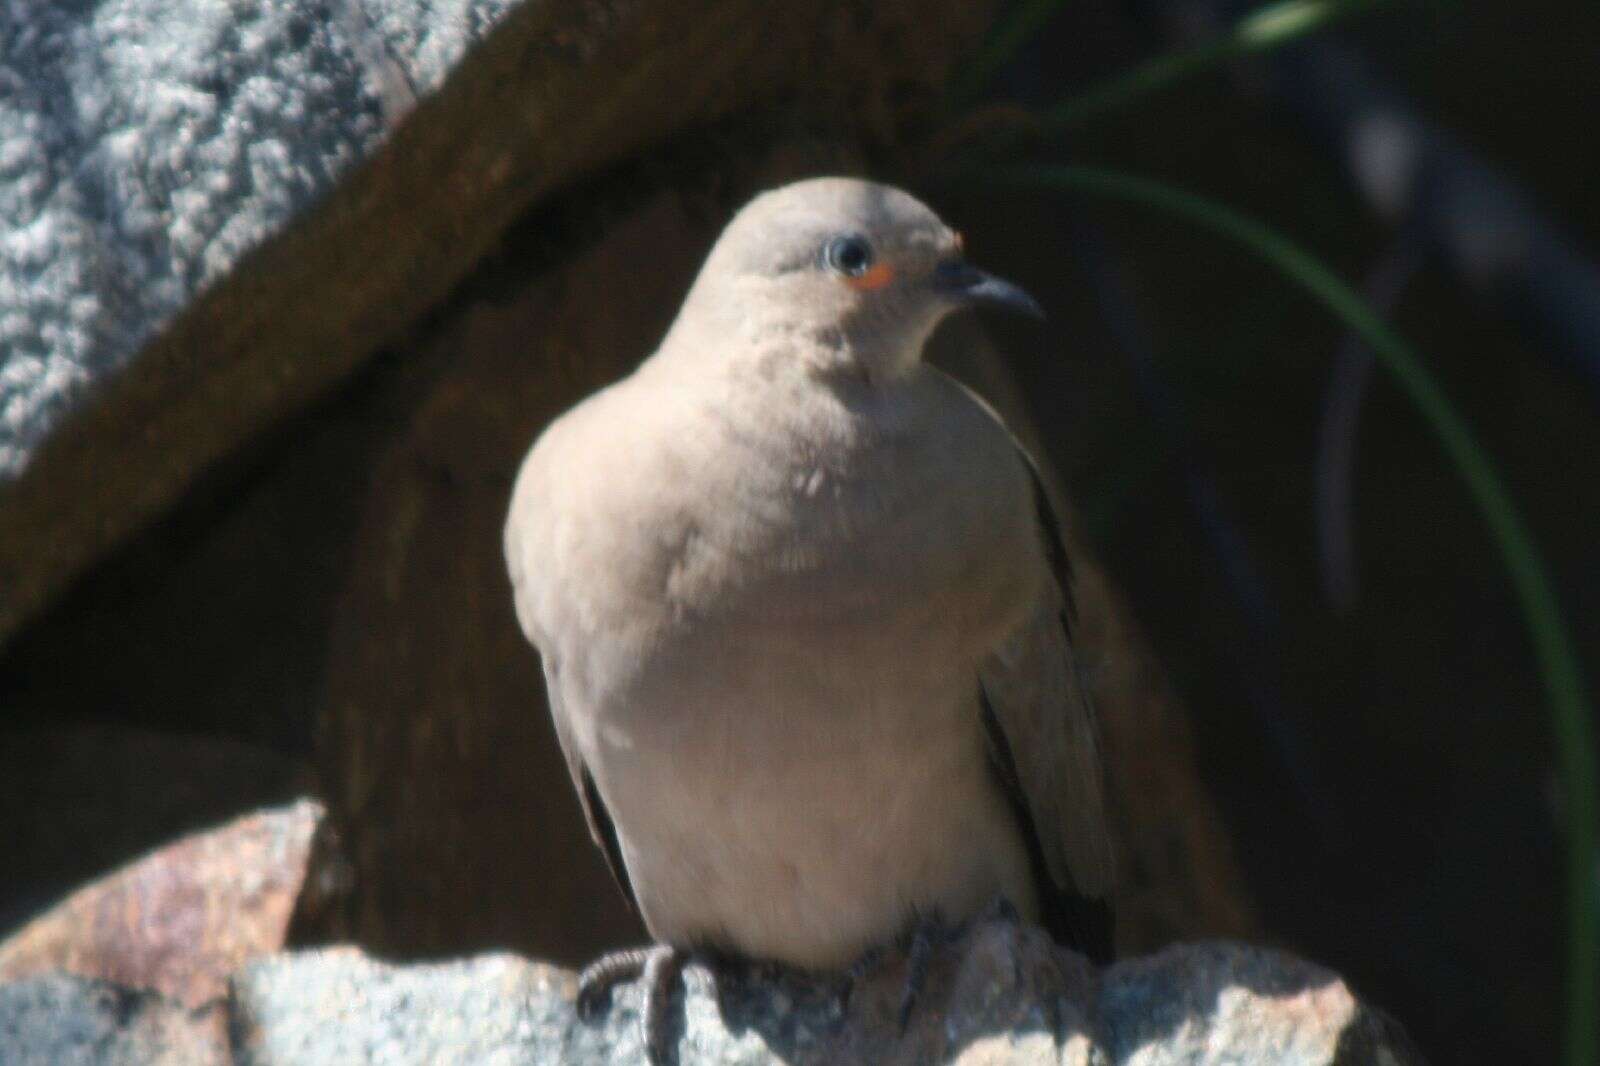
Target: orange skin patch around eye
876	277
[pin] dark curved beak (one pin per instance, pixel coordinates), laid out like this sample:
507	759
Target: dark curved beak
959	280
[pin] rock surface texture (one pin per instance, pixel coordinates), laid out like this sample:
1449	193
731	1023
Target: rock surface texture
998	994
179	958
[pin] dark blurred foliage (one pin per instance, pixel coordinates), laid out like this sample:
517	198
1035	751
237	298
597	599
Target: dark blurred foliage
1388	769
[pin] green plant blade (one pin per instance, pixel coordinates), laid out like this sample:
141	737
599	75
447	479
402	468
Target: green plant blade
1025	21
1559	668
1264	29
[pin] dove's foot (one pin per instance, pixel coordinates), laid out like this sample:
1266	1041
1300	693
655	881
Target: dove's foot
661	968
870	962
919	941
1000	909
928	933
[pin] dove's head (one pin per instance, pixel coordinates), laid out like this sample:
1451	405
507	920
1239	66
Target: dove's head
857	274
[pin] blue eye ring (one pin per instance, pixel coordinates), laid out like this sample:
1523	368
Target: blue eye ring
849	255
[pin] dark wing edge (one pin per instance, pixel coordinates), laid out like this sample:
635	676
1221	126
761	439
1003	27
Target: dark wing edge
1084	923
601	828
1055	545
1033	700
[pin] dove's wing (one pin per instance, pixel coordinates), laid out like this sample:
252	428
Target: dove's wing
595	814
526	593
1045	743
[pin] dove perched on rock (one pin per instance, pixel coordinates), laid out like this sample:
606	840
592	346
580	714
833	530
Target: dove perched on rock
804	614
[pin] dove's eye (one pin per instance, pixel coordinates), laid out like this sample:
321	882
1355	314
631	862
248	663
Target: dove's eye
850	256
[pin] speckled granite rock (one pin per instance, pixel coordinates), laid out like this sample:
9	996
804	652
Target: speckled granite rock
145	146
1000	994
63	1020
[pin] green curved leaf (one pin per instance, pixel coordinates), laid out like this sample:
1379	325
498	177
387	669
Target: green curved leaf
1562	676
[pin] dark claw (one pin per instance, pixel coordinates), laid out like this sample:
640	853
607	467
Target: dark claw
1001	910
926	935
868	964
661	968
605	973
663	974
